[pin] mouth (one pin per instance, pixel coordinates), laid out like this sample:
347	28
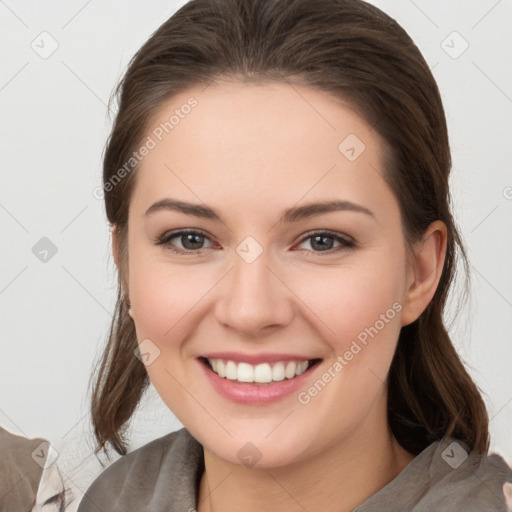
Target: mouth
261	374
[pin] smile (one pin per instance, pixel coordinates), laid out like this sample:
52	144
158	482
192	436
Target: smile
261	373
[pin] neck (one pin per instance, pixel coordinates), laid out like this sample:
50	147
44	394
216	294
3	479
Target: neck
339	478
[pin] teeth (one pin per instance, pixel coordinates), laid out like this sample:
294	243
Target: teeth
289	373
245	373
260	373
278	372
302	367
231	371
221	368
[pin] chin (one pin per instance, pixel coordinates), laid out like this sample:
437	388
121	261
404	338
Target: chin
253	447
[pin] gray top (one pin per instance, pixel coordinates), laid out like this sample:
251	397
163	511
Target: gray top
164	475
21	467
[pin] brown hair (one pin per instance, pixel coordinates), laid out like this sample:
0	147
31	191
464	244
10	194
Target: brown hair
360	55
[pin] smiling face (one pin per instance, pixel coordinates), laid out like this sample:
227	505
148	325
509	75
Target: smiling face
265	279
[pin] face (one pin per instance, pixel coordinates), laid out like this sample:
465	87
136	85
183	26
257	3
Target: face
262	285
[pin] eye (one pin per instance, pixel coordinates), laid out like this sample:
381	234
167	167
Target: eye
191	241
324	241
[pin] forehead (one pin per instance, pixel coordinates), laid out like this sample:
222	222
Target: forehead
243	142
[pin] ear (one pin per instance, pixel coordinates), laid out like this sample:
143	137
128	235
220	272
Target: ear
425	271
117	259
115	245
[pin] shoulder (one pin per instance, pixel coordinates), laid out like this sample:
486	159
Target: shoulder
447	477
492	481
154	472
467	480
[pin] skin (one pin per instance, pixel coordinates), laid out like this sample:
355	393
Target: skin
250	151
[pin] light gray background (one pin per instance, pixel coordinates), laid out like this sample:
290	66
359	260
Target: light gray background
55	314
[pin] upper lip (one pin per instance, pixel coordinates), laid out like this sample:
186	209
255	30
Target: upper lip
256	358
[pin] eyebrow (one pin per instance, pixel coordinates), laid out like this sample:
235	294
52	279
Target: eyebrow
293	214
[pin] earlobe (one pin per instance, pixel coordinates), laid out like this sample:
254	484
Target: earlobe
428	264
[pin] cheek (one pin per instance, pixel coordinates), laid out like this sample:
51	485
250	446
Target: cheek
359	317
168	301
358	311
355	299
164	294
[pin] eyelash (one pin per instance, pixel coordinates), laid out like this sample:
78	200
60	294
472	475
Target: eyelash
346	243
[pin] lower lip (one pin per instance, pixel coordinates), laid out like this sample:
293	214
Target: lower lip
248	393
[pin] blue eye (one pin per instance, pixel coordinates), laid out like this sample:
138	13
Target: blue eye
192	242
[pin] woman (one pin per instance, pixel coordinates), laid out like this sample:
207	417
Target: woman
277	184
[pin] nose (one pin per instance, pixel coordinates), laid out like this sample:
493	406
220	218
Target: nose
254	299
